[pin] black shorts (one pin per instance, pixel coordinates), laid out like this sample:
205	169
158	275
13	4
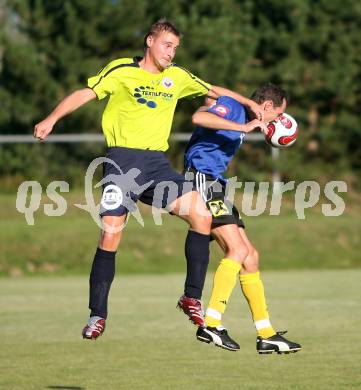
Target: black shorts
213	192
130	175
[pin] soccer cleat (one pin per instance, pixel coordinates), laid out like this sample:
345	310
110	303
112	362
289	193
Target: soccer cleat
276	343
192	307
94	328
219	336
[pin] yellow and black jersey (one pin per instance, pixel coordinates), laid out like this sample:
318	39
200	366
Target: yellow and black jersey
141	104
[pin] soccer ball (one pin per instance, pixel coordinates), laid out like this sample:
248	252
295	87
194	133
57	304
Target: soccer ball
282	132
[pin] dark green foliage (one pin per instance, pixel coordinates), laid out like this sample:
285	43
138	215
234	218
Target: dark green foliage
49	48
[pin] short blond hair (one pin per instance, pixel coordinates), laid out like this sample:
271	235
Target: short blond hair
160	26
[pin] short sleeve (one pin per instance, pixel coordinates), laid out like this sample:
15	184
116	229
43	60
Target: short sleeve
193	86
223	108
106	82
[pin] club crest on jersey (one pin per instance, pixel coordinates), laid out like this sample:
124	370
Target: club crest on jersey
221	110
167	82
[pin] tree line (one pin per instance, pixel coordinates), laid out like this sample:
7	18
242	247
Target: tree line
312	49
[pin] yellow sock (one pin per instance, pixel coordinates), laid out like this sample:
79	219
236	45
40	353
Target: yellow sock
253	290
224	281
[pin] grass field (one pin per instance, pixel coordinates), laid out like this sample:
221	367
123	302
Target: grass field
66	244
149	345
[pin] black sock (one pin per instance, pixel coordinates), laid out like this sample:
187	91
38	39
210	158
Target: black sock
101	278
197	255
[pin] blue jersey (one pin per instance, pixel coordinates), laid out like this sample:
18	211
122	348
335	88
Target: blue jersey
210	151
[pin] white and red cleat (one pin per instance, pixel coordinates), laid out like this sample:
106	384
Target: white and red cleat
94	328
192	307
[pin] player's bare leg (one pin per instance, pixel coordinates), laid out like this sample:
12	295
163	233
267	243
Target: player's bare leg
191	209
102	275
111	234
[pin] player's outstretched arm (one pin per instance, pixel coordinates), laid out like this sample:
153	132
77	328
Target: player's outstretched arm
215	122
215	92
66	106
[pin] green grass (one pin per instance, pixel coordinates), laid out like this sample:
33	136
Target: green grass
149	345
67	244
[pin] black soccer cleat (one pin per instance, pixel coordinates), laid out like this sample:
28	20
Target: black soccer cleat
276	343
219	336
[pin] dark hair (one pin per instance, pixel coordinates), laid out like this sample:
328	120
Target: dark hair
160	26
270	92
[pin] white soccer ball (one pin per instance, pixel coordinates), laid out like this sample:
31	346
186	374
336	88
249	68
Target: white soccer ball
282	132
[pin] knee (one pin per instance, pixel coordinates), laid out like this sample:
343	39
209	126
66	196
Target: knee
238	253
253	254
109	241
243	251
251	264
111	232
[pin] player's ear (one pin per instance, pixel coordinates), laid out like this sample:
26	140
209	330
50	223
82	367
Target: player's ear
150	40
268	105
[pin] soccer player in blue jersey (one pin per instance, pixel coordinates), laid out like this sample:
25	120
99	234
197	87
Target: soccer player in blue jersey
143	93
221	128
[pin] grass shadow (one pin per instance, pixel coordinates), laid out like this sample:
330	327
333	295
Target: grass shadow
66	387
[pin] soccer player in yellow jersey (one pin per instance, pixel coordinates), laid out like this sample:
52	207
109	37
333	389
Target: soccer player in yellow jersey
143	93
